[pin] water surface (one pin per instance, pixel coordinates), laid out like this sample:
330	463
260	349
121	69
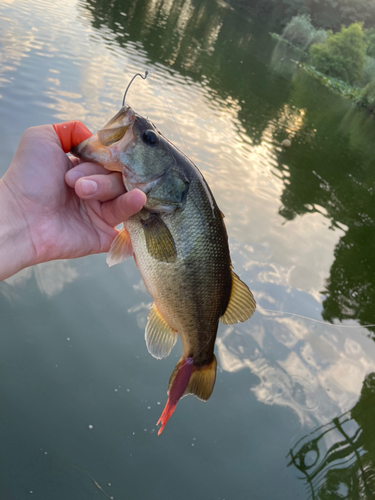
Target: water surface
81	395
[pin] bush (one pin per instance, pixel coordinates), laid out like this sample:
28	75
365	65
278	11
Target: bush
368	70
300	32
320	36
343	54
327	14
368	97
370	40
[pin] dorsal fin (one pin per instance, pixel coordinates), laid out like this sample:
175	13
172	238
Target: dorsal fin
241	304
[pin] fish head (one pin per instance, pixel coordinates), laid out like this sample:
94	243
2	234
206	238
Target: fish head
105	146
132	145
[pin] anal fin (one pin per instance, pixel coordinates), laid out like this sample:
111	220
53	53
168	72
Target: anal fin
121	248
241	304
160	337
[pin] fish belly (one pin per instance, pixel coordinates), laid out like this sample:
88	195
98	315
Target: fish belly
192	292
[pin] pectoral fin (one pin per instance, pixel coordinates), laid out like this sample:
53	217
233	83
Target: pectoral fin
160	337
121	248
241	303
159	241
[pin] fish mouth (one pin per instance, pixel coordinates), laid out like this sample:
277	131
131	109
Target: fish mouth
104	146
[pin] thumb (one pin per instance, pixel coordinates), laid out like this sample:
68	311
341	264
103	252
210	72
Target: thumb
121	208
71	134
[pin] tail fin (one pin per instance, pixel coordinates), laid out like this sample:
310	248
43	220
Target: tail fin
188	379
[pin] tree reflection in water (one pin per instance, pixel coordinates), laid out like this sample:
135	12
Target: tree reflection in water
328	169
337	460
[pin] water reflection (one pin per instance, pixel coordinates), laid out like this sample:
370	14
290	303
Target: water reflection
314	369
300	222
337	460
50	277
197	39
340	183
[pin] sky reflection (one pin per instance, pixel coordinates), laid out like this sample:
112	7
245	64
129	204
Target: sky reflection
316	371
240	171
319	368
51	277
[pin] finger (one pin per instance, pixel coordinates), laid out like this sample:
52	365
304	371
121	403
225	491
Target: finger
84	170
100	187
71	134
74	160
120	209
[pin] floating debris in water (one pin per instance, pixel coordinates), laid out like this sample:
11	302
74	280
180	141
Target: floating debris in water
286	143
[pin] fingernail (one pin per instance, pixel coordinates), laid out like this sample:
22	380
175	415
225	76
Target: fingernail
89	187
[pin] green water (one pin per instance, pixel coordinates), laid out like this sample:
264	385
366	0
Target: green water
291	416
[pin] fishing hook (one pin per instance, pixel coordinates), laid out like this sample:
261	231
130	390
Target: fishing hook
131	81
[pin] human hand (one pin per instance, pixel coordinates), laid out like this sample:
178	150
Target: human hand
48	207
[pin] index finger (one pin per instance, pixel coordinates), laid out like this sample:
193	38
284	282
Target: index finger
84	169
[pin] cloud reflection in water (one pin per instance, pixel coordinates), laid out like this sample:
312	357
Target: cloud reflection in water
51	277
318	370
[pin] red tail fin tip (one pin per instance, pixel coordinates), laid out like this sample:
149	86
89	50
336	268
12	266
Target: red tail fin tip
176	391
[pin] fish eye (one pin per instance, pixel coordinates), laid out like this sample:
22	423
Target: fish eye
150	137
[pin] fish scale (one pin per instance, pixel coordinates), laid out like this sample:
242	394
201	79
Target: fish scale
180	245
192	292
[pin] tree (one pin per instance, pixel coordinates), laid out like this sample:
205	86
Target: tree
343	54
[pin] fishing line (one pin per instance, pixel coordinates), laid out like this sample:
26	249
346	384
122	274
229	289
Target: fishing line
299	316
131	81
316	320
154	77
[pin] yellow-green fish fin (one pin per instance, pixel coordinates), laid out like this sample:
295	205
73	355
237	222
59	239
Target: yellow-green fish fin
121	248
160	337
159	241
201	382
241	303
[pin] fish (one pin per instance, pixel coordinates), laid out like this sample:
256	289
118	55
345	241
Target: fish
180	245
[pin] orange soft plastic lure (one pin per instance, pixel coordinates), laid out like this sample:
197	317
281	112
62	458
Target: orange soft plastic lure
71	134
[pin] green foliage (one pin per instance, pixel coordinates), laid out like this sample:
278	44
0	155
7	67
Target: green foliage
301	33
368	70
335	85
370	41
343	54
282	40
368	97
327	14
351	11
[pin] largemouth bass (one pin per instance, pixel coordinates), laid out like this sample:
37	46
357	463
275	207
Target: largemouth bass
180	246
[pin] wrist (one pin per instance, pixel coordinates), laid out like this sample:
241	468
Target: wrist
16	248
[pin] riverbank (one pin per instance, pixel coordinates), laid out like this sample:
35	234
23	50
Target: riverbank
361	96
